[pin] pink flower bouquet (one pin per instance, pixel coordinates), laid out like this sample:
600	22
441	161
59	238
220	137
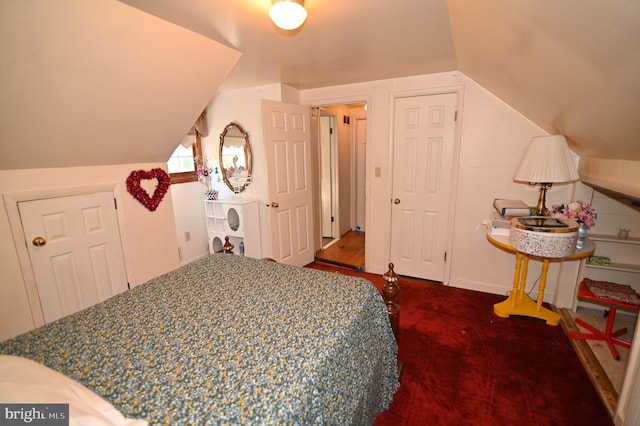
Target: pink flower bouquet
579	211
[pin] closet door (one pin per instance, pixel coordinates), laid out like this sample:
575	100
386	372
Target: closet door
423	149
75	250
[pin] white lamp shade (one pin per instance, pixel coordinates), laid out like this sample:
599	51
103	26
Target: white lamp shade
288	14
547	160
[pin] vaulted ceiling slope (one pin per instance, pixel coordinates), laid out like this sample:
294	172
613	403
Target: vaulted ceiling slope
340	42
97	82
571	66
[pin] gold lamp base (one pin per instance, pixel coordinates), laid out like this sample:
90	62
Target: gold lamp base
541	208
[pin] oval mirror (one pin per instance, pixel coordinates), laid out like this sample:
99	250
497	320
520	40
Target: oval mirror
235	157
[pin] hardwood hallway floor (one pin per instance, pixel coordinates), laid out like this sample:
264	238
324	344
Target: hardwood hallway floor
348	251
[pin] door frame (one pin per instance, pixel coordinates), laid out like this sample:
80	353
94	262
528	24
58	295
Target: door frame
11	200
458	90
351	100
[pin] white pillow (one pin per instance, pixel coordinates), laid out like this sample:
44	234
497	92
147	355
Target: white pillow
25	381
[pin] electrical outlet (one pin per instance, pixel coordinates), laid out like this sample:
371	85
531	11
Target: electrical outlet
187	236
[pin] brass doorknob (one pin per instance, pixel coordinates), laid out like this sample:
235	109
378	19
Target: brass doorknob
396	201
39	241
275	205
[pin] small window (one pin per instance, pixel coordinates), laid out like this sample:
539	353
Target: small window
182	163
182	160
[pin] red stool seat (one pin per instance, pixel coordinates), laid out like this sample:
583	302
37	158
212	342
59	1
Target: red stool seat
615	296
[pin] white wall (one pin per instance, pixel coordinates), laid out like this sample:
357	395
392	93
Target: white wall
188	210
492	138
378	96
149	238
244	107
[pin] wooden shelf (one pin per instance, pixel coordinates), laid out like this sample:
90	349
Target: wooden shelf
613	266
613	239
237	219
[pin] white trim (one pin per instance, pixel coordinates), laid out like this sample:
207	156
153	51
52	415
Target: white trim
350	100
330	243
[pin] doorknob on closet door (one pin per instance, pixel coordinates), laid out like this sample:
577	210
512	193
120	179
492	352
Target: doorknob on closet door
38	241
275	205
396	201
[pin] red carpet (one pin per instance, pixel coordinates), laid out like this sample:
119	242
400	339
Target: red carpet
466	366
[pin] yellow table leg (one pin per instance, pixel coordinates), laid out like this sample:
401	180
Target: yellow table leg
519	303
516	280
523	276
543	283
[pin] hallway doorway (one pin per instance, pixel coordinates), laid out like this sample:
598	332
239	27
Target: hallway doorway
342	182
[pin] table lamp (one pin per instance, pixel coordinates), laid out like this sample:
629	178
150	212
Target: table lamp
546	161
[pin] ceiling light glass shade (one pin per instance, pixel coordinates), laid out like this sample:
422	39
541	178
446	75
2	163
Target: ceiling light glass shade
288	14
547	160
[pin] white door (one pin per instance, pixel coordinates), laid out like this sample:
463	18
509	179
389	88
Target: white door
423	148
75	250
288	148
327	175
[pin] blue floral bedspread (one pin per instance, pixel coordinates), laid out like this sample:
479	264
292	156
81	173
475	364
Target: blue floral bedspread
231	340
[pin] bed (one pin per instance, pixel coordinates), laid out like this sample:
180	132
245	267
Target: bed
231	340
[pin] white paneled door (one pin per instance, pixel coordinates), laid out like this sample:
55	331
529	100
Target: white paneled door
75	250
423	149
328	176
288	148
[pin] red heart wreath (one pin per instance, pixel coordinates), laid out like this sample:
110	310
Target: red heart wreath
139	193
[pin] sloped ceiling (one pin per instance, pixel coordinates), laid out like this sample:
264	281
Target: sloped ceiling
340	42
570	66
95	82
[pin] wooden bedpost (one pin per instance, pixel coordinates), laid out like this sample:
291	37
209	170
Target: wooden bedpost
390	291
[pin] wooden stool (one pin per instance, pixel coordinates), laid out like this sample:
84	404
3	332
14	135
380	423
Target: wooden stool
614	295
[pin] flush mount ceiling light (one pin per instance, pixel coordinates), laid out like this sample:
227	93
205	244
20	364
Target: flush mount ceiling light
288	14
